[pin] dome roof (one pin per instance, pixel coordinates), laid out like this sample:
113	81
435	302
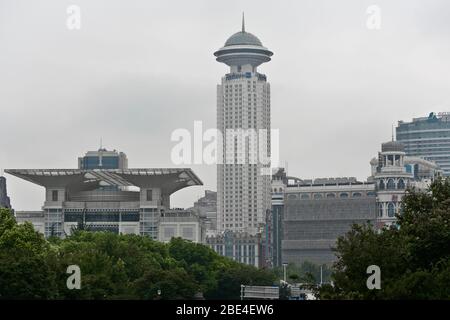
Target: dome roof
243	38
392	146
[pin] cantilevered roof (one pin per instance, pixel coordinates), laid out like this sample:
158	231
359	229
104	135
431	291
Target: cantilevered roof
168	179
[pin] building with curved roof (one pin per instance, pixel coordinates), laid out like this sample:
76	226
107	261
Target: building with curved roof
116	199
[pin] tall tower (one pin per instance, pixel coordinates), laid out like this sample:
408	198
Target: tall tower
243	118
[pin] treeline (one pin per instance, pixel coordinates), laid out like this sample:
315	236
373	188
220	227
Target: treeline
115	267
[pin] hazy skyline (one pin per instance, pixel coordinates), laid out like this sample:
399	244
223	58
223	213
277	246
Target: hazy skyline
138	70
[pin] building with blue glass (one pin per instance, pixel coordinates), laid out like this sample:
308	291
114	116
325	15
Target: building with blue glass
428	138
103	159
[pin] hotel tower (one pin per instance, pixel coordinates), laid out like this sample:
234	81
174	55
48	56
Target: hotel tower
243	118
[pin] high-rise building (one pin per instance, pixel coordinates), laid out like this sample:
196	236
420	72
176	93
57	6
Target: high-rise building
428	138
4	199
243	118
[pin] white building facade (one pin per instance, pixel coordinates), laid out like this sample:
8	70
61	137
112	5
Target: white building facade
243	118
393	173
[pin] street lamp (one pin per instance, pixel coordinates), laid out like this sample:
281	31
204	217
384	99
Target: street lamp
284	268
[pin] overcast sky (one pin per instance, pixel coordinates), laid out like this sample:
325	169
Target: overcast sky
138	69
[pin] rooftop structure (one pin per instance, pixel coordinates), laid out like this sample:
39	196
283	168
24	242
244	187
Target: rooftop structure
243	48
103	159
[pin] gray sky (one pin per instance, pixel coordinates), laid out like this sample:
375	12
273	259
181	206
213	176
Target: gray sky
137	70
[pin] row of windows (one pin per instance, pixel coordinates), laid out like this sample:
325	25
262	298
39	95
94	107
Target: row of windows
390	209
104	217
305	196
392	184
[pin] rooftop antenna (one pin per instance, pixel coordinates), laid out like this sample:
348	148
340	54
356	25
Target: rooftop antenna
101	143
243	22
392	133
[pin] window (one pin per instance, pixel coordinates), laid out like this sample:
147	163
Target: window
318	196
391	210
331	195
55	195
382	186
188	233
149	195
169	233
305	196
356	195
343	195
401	184
391	184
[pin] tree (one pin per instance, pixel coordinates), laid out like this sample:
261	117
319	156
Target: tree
414	258
26	269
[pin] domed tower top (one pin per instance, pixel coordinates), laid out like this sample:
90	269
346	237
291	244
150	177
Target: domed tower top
392	156
243	49
393	146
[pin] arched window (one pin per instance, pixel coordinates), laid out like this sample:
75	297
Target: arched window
305	196
292	196
380	209
357	194
391	184
381	186
318	196
371	194
343	195
331	195
401	184
391	210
